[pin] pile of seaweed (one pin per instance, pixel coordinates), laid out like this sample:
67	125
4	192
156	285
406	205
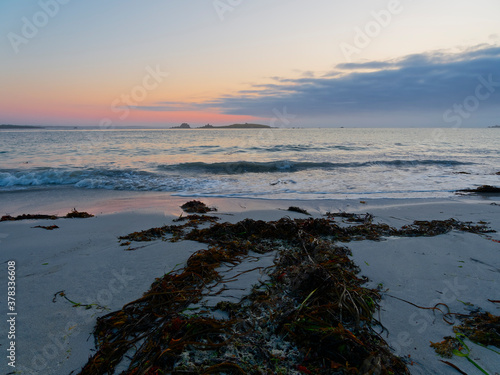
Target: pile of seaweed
177	231
197	207
480	327
70	215
483	189
285	228
311	316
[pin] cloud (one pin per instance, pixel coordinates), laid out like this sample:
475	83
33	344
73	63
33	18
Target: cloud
166	107
432	81
420	83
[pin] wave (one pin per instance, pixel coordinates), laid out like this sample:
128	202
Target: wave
241	167
92	178
36	178
296	148
104	179
195	176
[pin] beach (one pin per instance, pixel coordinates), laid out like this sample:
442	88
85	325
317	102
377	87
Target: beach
184	193
69	276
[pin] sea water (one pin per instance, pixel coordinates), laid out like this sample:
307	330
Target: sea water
263	163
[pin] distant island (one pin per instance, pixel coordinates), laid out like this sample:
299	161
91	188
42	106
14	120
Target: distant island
182	126
4	126
236	126
494	126
233	126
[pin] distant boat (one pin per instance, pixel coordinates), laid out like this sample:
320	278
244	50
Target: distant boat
237	126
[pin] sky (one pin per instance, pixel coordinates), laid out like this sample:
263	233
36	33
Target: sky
285	63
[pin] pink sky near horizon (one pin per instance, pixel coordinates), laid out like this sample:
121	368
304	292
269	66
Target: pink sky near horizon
105	118
77	102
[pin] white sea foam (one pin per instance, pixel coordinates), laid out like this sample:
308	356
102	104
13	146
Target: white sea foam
294	163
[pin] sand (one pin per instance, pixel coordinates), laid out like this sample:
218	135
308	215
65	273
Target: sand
84	259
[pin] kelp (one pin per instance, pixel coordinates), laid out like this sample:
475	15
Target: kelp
154	325
483	189
286	228
29	217
327	313
177	231
197	207
437	227
299	210
351	218
196	219
482	328
62	294
47	227
312	315
73	214
76	214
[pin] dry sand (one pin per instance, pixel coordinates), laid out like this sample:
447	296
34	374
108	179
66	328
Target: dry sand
84	259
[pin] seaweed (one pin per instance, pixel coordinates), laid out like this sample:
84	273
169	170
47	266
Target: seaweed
197	207
454	366
446	347
49	227
299	210
481	328
312	315
286	228
483	189
351	218
177	231
74	213
328	314
197	218
28	217
62	294
155	320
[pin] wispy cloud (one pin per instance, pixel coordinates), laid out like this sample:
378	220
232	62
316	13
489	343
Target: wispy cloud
167	106
420	82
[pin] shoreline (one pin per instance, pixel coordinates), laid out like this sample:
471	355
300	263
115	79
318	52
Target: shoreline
83	258
61	200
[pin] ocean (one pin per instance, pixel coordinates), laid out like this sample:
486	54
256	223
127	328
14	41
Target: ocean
329	163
